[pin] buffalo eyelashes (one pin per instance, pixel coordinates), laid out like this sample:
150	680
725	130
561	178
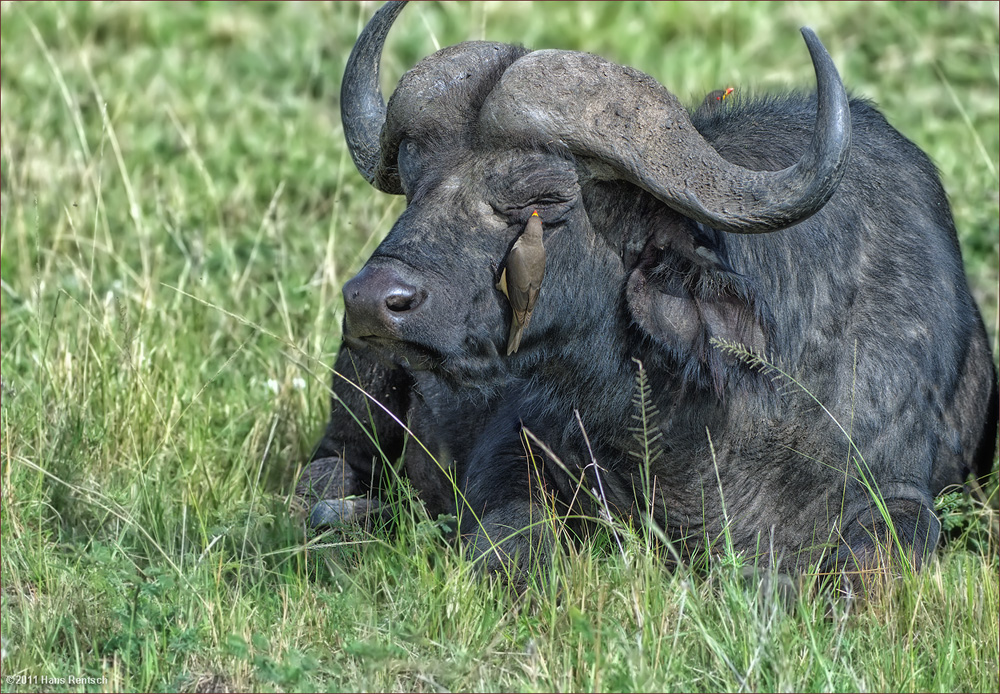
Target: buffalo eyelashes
521	278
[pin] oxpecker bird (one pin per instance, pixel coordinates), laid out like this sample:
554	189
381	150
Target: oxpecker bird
716	98
521	278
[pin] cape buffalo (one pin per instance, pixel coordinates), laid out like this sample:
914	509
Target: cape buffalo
754	320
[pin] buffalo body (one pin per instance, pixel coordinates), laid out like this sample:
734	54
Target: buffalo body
783	270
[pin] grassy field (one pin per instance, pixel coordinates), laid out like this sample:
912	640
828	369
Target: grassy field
179	214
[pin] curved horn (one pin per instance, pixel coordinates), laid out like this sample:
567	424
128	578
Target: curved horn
362	109
628	121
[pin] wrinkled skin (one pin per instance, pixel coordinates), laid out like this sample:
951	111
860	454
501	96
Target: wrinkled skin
865	304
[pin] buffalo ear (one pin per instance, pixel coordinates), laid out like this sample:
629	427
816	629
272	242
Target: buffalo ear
683	306
667	314
734	319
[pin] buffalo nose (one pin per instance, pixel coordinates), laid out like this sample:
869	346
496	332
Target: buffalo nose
401	297
377	300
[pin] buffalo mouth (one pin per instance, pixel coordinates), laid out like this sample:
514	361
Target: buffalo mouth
461	370
409	355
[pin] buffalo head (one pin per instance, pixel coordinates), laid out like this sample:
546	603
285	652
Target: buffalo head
479	135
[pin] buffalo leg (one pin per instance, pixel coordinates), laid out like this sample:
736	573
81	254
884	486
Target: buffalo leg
514	495
360	437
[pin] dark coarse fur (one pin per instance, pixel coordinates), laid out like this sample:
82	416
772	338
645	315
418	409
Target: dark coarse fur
879	384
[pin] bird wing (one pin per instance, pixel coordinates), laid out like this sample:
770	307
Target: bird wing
502	283
522	286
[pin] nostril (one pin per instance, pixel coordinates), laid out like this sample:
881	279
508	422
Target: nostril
402	298
378	300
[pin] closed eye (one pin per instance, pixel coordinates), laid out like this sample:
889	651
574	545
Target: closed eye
548	201
515	217
555	205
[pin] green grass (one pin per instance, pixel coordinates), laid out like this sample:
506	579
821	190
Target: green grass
178	216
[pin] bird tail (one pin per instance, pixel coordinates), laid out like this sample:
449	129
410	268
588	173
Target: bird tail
514	341
517	329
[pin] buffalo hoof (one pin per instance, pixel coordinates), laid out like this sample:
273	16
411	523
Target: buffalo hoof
333	512
326	478
878	547
512	543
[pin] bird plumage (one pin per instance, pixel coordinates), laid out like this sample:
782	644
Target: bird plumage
521	279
